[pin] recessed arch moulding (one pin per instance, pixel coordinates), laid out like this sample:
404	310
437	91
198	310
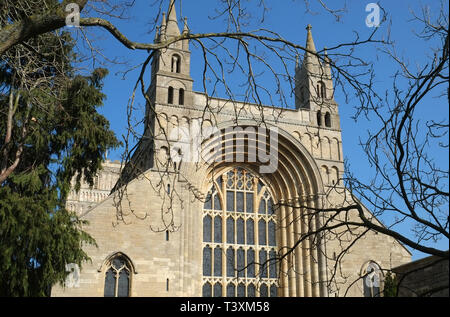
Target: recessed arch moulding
295	182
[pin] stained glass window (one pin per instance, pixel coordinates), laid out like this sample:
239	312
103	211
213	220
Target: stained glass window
263	290
270	207
251	290
217	261
207	226
249	203
110	283
208	202
231	290
230	262
207	290
217	229
218	290
207	265
273	290
240	201
263	263
230	230
241	262
217	204
272	239
251	263
241	290
230	201
250	231
262	207
273	264
239	237
117	277
123	284
240	231
262	232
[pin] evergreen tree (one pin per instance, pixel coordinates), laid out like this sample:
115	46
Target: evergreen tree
390	285
50	131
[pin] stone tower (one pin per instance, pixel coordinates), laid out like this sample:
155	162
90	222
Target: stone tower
171	83
314	86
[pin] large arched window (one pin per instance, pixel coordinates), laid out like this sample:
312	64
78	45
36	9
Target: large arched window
372	280
239	238
118	277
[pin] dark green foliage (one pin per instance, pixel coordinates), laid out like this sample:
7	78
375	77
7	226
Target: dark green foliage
65	136
390	285
36	243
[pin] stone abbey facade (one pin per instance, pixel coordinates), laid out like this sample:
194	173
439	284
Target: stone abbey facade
173	225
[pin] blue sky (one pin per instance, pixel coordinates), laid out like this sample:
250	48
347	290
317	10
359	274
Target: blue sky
289	18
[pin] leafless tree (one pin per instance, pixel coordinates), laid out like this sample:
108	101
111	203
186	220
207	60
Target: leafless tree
408	184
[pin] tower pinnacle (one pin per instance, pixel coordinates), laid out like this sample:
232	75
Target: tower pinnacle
172	22
310	61
309	40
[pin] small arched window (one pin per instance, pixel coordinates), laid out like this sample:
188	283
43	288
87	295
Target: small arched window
319	118
321	90
170	95
181	97
327	120
372	279
176	63
118	277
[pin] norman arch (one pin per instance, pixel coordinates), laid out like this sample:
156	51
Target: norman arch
321	90
175	64
296	181
176	93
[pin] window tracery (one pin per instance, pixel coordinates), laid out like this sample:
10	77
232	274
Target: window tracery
239	238
117	277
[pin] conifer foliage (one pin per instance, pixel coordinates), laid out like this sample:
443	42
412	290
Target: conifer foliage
50	131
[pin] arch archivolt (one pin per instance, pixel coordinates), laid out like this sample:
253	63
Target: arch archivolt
176	84
296	182
116	254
